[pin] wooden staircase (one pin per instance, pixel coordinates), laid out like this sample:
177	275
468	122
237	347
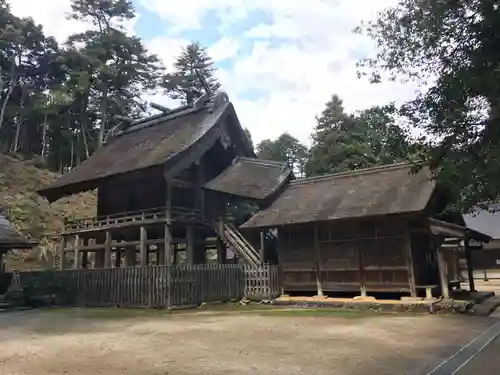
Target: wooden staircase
233	238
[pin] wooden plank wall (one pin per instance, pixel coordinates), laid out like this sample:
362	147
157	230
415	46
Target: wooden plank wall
157	286
345	256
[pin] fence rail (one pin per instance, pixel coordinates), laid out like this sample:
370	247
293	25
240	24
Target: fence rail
181	214
155	286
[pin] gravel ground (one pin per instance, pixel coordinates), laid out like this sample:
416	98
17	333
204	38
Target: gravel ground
87	342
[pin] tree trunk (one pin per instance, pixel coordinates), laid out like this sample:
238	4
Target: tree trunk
83	121
19	122
6	100
104	112
44	137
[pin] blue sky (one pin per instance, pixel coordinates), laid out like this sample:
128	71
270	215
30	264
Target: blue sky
278	60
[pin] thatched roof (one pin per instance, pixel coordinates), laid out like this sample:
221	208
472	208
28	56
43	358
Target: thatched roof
159	140
391	189
10	238
251	178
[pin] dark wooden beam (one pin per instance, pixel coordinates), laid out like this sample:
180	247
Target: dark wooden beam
410	264
107	250
62	253
167	246
160	107
190	244
468	259
319	287
143	247
77	261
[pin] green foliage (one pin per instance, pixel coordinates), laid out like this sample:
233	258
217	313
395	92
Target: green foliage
184	83
287	149
451	47
345	141
57	101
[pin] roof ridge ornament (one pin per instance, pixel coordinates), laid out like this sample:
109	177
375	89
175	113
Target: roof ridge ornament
219	99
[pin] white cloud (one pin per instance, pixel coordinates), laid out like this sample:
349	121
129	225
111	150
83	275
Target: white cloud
225	48
315	58
53	16
167	49
302	54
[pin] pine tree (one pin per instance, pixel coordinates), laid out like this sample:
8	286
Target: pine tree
118	65
184	83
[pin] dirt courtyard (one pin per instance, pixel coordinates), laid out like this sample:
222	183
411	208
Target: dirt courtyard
88	342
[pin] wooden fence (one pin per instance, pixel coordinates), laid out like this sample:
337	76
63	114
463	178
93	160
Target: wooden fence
156	286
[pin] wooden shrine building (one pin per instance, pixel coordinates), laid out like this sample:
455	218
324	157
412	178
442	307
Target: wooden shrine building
371	230
11	239
163	185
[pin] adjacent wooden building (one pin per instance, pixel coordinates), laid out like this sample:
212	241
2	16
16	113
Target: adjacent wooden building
163	185
11	239
372	230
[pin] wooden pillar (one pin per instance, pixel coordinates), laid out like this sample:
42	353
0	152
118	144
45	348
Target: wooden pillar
362	275
443	273
319	287
62	253
118	258
84	254
129	256
262	254
160	255
2	262
85	259
143	247
410	265
470	269
176	255
221	252
200	192
77	261
168	202
167	246
189	245
107	250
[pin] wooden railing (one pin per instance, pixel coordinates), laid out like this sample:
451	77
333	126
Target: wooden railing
158	286
152	215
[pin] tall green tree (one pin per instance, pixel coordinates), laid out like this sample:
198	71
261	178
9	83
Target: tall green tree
285	148
344	141
118	66
452	47
183	83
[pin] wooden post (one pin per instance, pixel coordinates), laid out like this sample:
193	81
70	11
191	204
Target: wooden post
319	287
107	250
443	273
410	265
362	276
167	246
143	247
168	202
189	245
118	258
262	253
77	261
85	259
470	269
221	252
62	253
200	179
129	256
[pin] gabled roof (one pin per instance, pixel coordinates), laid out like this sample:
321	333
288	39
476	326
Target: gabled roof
251	178
391	189
485	220
149	143
10	238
